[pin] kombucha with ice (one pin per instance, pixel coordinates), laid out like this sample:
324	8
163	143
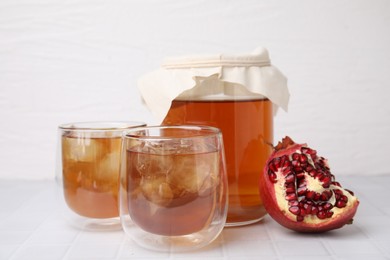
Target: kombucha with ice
172	194
90	175
247	129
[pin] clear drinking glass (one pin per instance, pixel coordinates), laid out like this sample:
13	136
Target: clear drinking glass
173	186
88	165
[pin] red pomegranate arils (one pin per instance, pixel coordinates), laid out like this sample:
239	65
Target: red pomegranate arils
291	196
301	193
321	215
290	178
295	210
341	204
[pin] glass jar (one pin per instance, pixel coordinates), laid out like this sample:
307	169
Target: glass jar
237	94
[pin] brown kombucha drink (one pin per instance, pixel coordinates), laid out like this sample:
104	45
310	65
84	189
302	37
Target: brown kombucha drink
90	175
172	194
247	129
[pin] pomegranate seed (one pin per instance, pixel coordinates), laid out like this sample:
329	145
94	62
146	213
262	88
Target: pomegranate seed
344	198
313	173
290	190
272	167
282	159
316	196
325	195
337	191
290	178
301	190
320	174
272	177
295	156
338	194
309	168
303	159
326	182
286	163
293	203
328	206
295	163
321	215
287	170
289	185
295	210
307	208
310	194
300	218
311	152
336	183
329	214
341	204
291	196
301	182
300	175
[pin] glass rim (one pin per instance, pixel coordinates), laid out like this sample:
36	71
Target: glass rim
101	125
211	132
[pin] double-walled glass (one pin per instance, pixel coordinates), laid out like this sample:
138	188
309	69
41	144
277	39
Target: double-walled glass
88	172
173	191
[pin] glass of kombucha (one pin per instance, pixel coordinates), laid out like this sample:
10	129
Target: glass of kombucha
246	123
173	187
88	172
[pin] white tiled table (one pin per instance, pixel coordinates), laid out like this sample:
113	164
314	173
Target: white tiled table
31	227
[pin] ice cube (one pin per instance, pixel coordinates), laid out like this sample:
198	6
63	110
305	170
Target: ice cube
108	167
81	149
157	190
194	173
153	164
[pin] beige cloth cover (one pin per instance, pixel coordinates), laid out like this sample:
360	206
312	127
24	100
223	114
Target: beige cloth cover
215	77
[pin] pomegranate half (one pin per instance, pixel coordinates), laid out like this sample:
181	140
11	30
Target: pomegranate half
300	193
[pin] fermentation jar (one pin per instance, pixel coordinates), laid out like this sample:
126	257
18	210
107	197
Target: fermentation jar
238	94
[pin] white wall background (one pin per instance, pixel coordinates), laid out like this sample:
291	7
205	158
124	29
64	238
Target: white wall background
76	60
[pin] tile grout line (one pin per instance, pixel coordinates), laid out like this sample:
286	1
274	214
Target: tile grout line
66	255
121	247
223	244
328	248
374	242
72	245
25	242
274	246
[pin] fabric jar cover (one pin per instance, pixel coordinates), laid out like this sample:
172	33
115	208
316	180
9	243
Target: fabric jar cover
214	77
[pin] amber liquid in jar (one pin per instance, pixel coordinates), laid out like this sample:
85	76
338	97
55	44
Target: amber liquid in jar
90	175
247	129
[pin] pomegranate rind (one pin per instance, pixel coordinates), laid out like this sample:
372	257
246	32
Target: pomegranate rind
277	207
